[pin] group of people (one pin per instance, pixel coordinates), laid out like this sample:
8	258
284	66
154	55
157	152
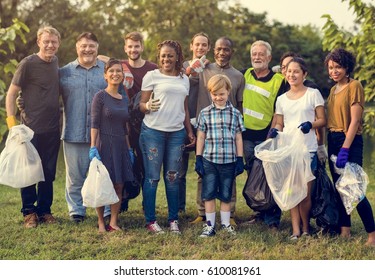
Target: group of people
211	108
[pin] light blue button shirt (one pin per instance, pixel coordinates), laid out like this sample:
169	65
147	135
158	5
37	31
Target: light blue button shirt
78	86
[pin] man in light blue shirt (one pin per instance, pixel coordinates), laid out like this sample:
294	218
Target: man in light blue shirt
80	80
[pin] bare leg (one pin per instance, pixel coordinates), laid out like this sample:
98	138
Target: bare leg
115	208
296	220
304	209
101	223
371	239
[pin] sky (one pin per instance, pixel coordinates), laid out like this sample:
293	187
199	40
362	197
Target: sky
302	12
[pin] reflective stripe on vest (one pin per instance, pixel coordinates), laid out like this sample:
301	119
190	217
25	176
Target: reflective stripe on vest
259	100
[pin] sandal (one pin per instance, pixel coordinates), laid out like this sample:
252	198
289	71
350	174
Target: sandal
293	237
111	229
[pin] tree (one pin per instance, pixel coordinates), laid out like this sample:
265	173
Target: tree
362	44
8	39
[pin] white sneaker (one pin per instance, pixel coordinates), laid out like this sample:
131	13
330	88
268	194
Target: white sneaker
173	227
229	229
208	230
154	228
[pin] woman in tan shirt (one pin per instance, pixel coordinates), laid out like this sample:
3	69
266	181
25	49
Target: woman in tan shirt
344	122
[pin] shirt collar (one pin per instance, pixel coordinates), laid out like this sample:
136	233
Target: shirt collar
76	64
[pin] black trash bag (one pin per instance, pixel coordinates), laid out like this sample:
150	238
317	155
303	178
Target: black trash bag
256	191
324	199
132	188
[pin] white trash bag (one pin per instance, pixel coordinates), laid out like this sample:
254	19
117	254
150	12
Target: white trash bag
20	163
351	185
286	163
98	188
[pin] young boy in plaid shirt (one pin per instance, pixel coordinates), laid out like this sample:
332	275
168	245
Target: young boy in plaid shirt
219	153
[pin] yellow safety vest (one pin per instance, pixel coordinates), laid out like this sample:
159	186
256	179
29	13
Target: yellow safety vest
259	100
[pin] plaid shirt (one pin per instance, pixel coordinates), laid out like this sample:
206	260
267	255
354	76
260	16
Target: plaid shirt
220	127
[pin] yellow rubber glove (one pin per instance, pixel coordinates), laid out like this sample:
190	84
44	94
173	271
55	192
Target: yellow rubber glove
11	121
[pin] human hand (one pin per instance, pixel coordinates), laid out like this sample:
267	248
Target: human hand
342	157
152	104
199	166
305	127
272	133
198	64
11	121
239	166
20	102
192	141
94	153
322	153
132	156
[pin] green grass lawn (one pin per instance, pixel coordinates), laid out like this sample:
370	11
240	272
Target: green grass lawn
68	241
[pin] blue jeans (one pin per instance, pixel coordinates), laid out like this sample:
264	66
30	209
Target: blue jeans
47	145
161	148
271	216
217	181
77	164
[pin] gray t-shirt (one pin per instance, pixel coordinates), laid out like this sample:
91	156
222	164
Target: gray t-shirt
39	82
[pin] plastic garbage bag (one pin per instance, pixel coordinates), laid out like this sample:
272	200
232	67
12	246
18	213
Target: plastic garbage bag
256	191
20	163
286	163
98	188
324	199
351	185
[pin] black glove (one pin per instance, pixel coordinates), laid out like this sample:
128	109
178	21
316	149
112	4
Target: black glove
199	166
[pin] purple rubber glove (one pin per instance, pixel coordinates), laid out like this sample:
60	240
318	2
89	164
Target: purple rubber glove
342	157
305	127
272	133
199	166
239	166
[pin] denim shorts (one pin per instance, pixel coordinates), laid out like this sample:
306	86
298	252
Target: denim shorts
314	161
217	181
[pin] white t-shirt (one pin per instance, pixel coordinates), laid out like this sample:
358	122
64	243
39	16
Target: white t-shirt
300	110
171	91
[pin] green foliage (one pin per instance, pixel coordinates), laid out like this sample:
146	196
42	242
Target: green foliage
362	44
8	40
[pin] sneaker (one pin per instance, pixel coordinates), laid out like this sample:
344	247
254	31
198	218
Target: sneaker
77	218
293	237
30	221
173	227
208	230
47	218
198	220
229	229
154	228
233	222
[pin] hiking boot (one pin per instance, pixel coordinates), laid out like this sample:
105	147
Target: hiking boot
208	230
47	218
154	228
229	229
173	227
30	221
198	220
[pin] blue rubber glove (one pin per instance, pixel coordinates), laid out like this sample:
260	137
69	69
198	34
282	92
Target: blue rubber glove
239	166
342	157
272	133
199	166
132	156
94	153
305	127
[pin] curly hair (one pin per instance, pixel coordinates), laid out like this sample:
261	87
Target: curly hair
342	57
177	47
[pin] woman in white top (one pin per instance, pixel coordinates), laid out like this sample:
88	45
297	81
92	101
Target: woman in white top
301	107
165	127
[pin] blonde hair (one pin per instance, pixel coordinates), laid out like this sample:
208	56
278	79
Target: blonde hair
217	82
48	29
